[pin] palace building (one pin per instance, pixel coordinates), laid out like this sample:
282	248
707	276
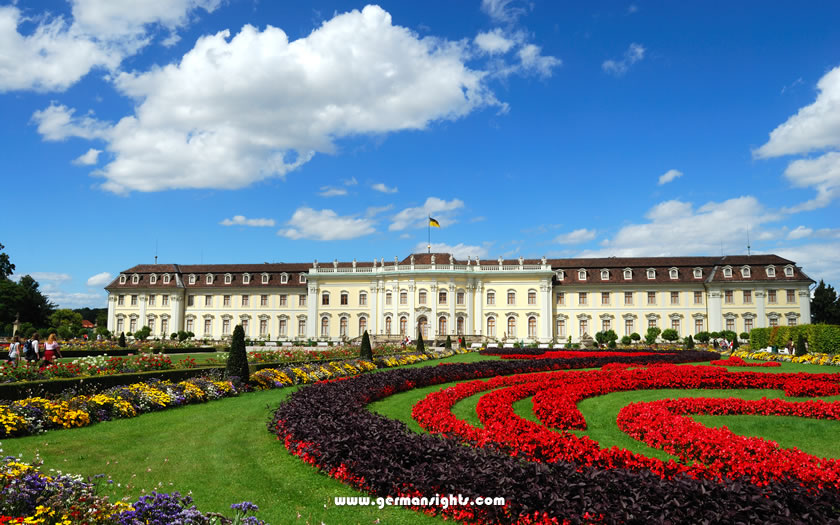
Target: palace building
531	300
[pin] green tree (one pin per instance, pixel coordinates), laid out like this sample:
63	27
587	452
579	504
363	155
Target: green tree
825	306
67	321
606	337
703	337
670	335
237	363
101	319
6	266
635	337
626	340
366	352
651	335
143	333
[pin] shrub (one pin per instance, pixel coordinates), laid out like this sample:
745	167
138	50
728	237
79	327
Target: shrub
143	333
703	337
635	337
173	335
800	345
651	335
366	352
626	340
744	336
670	335
463	343
122	340
448	344
237	363
689	342
420	346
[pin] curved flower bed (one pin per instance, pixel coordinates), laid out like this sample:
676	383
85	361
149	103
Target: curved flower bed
808	359
91	366
328	426
545	353
737	361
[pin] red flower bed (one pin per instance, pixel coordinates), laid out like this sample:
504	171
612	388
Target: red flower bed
737	361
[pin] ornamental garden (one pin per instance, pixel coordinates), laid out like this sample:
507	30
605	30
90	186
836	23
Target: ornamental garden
614	433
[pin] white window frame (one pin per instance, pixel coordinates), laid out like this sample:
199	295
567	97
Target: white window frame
246	278
605	275
581	275
153	278
166	278
135	279
284	278
673	273
771	271
303	278
265	278
651	273
228	278
122	279
192	278
698	273
628	274
727	272
788	271
209	279
746	272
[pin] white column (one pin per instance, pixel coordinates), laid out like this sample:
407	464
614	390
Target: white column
479	310
112	305
312	310
469	324
175	305
373	297
433	320
452	320
760	298
805	306
545	322
715	311
143	320
411	329
395	317
380	307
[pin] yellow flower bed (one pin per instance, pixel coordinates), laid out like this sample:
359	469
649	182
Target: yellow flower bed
809	359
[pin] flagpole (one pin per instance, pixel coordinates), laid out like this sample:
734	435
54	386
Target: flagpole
429	227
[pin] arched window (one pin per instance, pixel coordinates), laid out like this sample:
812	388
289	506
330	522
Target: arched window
209	278
532	327
511	326
136	279
342	327
403	325
388	325
442	326
362	325
423	327
228	278
325	327
152	279
460	326
491	327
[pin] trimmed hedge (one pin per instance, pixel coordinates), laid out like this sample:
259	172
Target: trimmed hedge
821	338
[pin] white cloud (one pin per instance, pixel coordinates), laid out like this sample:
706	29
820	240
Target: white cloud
676	228
76	299
493	42
379	186
533	62
634	53
57	122
325	225
373	211
127	21
821	173
88	159
351	181
329	191
100	279
814	127
668	176
503	10
240	220
800	232
196	123
575	237
818	260
459	251
50	276
417	217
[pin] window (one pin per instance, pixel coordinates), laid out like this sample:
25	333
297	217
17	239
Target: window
651	323
532	327
152	279
698	273
120	324
491	327
791	296
771	296
246	278
263	300
284	278
651	273
582	298
532	297
227	278
302	278
727	272
190	325
388	325
628	298
628	274
442	326
302	299
301	327
192	279
122	279
263	327
225	326
675	297
164	326
281	329
190	301
265	278
132	325
698	297
344	298
491	297
325	327
698	325
403	298
561	298
511	326
150	322
244	324
675	325
605	325
459	326
342	327
561	328
584	326
748	324
788	271
581	275
774	321
791	321
459	298
208	325
208	300
745	272
209	279
747	296
728	297
133	300
245	300
771	271
442	297
651	298
403	325
362	325
135	279
673	273
325	299
605	275
560	275
730	324
421	297
166	278
389	299
283	300
605	298
362	299
628	326
120	300
226	300
164	300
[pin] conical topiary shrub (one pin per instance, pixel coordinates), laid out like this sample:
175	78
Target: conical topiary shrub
366	352
689	342
237	363
448	345
122	340
420	346
800	345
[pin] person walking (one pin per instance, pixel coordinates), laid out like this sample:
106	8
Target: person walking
31	346
51	350
14	351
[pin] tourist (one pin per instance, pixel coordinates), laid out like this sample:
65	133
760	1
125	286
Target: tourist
31	349
14	351
51	350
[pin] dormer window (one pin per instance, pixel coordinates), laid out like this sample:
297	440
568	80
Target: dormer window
581	275
135	279
605	275
628	274
246	278
771	271
651	273
192	278
228	278
166	278
560	275
745	272
122	279
788	271
698	273
673	273
727	272
303	278
153	279
284	278
209	279
265	278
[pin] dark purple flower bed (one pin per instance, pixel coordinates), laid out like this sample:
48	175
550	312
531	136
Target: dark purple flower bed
329	426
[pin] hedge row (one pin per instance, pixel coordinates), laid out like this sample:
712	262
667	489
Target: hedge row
821	338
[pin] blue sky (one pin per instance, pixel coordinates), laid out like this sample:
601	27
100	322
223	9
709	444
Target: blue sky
238	131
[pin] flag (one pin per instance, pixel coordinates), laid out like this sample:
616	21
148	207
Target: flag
433	222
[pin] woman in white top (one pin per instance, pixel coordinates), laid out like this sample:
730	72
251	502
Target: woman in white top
14	351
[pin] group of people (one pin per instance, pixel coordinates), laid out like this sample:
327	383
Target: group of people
30	350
